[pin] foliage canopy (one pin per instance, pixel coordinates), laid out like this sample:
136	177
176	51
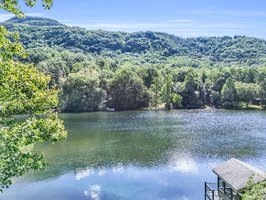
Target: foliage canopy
26	103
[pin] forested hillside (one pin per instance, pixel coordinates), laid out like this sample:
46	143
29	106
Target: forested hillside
41	32
100	69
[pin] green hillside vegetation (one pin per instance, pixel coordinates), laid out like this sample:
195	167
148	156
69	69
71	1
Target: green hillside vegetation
100	69
42	32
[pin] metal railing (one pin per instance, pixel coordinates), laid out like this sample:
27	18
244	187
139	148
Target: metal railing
226	193
211	192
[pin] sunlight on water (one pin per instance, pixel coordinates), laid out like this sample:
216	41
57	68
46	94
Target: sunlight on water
94	192
184	165
151	155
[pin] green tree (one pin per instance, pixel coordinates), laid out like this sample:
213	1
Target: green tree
218	85
56	68
190	95
201	86
127	90
157	89
177	101
148	74
167	91
246	92
82	92
216	99
229	95
23	91
262	92
255	191
13	5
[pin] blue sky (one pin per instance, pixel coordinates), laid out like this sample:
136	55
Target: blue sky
186	18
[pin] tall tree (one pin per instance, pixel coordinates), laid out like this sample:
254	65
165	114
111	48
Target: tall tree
246	92
167	91
157	89
23	91
191	97
229	95
262	92
82	92
127	90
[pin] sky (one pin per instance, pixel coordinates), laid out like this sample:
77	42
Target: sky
185	18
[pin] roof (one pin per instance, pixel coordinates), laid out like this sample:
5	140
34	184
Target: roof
237	174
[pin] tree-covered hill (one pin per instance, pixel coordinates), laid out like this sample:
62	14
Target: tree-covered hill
42	32
33	21
96	70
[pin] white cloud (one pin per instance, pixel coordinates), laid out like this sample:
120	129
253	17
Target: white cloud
93	192
227	25
245	13
118	169
191	29
83	174
101	172
184	198
64	21
120	26
229	13
182	20
184	27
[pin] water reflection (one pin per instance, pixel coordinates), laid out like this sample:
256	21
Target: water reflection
184	164
179	179
94	192
151	155
84	173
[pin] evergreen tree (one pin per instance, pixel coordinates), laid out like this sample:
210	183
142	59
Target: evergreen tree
167	91
157	89
190	95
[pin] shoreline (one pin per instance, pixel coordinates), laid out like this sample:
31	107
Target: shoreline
164	109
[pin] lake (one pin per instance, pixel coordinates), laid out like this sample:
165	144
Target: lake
143	155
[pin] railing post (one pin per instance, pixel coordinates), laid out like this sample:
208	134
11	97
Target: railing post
205	190
224	187
218	183
212	194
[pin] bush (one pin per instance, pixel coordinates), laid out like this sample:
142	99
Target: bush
177	101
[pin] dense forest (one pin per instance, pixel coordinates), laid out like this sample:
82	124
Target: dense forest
97	70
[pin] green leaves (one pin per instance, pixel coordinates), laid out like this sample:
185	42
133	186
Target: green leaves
229	95
26	103
82	92
255	191
246	92
9	45
24	91
14	7
127	90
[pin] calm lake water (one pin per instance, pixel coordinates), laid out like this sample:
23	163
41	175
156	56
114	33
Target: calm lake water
143	155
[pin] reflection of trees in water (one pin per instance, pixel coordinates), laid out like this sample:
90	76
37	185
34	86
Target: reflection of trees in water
153	138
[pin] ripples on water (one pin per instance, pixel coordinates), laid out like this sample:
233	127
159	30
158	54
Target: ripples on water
143	154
